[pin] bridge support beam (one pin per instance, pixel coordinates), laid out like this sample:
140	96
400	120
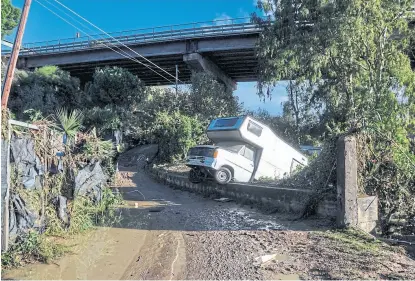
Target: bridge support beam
197	62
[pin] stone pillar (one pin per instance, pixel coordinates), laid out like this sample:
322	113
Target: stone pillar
347	188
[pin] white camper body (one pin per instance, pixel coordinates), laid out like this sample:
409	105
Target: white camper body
246	148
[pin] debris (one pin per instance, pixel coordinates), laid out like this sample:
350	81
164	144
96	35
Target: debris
27	163
223	199
90	181
267	258
21	218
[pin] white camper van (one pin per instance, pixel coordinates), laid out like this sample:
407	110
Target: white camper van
244	149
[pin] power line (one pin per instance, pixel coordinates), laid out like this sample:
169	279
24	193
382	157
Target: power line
88	28
115	39
123	55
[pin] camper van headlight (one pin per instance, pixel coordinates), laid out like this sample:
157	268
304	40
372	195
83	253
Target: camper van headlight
215	153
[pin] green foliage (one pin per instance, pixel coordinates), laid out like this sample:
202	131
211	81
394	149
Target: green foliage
387	170
34	115
95	149
175	134
47	71
355	65
353	239
349	64
211	99
69	121
10	16
44	90
31	247
116	87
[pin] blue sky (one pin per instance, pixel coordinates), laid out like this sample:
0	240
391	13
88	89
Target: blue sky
117	15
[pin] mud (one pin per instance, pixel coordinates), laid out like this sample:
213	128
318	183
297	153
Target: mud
168	234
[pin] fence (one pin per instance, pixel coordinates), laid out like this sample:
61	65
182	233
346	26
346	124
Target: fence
215	28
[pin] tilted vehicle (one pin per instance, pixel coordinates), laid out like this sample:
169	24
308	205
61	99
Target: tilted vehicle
244	150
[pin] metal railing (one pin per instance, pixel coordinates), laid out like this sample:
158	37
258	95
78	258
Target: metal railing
214	28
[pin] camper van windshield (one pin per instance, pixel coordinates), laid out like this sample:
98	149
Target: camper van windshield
231	146
229	122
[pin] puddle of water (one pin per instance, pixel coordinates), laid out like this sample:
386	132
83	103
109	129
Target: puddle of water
148	204
142	204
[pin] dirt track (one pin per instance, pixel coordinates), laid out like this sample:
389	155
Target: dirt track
171	234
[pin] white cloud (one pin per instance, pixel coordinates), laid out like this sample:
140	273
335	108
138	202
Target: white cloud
223	19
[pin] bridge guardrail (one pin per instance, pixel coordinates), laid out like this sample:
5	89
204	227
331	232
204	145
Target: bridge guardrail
146	35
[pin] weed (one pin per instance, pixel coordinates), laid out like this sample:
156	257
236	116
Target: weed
353	239
30	247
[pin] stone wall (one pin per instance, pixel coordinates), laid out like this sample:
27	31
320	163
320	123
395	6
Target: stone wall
349	208
270	198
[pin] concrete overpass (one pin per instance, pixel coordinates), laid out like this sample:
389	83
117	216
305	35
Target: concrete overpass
225	48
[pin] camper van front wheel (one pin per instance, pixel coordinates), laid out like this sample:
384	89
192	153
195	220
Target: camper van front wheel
194	176
223	175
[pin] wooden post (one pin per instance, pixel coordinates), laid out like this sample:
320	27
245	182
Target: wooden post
14	55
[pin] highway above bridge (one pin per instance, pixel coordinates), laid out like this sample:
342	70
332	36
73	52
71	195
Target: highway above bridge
225	48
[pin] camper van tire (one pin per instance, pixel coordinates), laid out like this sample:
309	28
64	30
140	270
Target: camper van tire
223	175
194	176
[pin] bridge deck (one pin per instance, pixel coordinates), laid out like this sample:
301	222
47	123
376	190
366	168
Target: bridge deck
228	43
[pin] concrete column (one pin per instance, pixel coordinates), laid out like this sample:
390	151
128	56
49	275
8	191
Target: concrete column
347	188
197	62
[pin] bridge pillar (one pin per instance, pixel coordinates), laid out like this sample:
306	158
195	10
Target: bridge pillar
197	62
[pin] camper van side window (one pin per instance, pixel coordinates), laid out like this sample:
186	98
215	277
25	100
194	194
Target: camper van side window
249	153
254	128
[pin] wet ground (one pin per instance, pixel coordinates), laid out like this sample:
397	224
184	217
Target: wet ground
172	234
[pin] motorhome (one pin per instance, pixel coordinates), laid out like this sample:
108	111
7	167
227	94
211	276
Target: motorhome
244	150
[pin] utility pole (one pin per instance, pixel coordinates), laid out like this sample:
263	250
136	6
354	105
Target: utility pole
14	55
177	77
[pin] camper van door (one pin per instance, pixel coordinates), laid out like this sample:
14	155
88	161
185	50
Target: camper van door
245	163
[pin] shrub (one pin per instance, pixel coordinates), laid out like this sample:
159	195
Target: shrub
176	133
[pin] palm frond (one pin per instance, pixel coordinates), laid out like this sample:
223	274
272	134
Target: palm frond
69	121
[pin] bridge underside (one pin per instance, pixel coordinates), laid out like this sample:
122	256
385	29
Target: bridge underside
239	65
232	57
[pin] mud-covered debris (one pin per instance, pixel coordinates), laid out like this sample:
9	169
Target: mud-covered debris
89	181
223	199
21	218
27	163
267	258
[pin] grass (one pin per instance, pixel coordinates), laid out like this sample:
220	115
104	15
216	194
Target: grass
84	215
354	240
32	247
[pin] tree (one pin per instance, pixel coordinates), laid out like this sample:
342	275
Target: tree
115	86
45	89
353	57
211	99
175	134
10	16
354	54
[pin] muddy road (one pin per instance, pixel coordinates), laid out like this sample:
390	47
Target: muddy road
169	234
